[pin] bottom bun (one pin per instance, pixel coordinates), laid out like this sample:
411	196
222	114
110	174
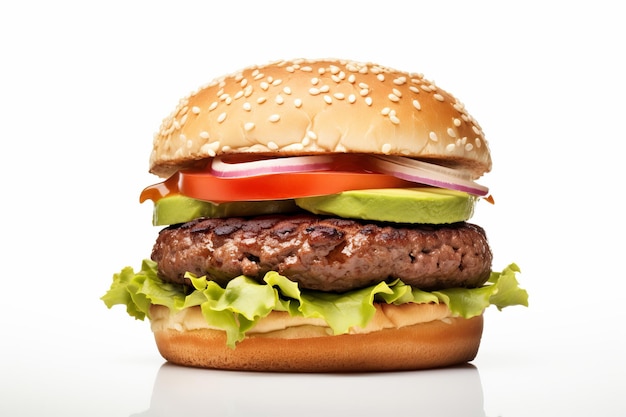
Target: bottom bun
432	344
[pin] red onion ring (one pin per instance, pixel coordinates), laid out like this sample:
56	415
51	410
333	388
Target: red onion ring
401	167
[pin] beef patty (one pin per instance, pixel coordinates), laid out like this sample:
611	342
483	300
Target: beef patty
327	254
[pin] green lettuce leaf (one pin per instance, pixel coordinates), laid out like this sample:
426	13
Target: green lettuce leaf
237	307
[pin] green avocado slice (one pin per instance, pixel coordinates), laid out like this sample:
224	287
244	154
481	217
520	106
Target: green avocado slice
180	209
399	205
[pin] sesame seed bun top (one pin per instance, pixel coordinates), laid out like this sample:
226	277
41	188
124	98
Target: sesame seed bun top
303	107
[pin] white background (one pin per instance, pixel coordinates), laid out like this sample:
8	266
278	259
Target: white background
83	86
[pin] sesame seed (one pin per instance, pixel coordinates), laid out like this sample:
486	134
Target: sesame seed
311	134
385	111
417	105
339	96
451	132
306	69
272	145
386	148
247	106
393	98
261	100
279	99
414	89
204	134
248	126
368	101
479	142
450	147
394	119
364	92
363	86
476	130
243	82
195	110
351	78
209	148
213	106
399	80
351	98
456	122
277	82
247	92
315	80
314	91
328	99
381	77
274	118
324	89
287	90
221	117
264	86
298	103
433	136
469	147
238	95
438	96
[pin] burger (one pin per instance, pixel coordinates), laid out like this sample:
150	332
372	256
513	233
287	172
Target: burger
314	218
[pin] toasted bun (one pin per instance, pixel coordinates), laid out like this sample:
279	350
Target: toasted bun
307	348
315	106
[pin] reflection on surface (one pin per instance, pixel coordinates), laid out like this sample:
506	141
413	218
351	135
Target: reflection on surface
190	392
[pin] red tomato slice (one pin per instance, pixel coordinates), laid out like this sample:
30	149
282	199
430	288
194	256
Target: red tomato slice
204	186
